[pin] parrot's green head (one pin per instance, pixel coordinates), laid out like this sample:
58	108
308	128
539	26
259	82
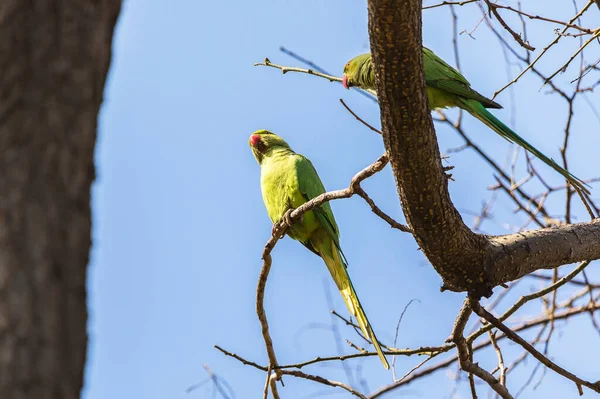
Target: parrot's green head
355	70
263	143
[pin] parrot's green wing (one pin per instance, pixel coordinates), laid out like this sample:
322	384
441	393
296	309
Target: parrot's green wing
310	186
440	75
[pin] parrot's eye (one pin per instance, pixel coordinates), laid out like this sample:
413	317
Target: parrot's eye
255	141
260	146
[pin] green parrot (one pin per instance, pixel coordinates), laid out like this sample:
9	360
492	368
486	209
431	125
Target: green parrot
446	87
287	181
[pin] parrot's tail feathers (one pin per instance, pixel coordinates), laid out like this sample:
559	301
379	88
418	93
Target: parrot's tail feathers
479	112
340	275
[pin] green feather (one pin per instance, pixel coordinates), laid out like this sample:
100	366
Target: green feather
476	109
446	87
289	180
449	81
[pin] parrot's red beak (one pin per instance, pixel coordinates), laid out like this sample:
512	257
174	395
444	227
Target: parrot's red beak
254	140
345	82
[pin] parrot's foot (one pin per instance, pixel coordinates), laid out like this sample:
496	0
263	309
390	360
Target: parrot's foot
287	219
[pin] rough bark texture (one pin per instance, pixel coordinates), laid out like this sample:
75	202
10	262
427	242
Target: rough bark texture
395	32
54	57
466	261
522	253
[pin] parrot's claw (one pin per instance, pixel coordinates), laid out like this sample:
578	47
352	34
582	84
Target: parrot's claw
287	218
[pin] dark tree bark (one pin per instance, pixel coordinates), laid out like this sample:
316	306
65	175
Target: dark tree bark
466	261
54	57
395	33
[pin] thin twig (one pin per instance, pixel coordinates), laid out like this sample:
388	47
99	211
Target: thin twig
317	68
449	3
286	69
538	17
516	36
481	312
358	118
376	210
445	363
324	381
556	39
579	50
501	366
266	389
396	339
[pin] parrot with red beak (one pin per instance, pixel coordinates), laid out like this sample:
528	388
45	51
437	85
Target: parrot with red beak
287	181
446	87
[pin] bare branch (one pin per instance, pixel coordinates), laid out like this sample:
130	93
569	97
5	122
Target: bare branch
501	366
376	210
266	388
449	3
464	352
564	67
534	352
556	39
344	193
286	69
260	309
543	320
358	118
538	17
516	36
558	245
324	381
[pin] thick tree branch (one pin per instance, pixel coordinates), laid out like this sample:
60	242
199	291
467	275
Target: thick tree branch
452	248
522	253
466	261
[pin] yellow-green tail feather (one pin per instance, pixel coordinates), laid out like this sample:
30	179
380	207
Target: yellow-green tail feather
340	275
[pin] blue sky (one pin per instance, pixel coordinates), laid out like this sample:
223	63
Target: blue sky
179	223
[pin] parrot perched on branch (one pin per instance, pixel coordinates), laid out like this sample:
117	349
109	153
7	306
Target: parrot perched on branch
289	180
446	87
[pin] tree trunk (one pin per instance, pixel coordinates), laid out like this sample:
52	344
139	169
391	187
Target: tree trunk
466	261
54	57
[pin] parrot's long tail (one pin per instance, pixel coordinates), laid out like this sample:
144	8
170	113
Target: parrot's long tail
479	112
338	271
